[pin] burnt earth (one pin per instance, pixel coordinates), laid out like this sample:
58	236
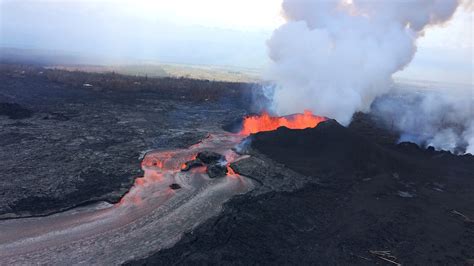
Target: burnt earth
63	144
363	201
214	162
209	157
216	170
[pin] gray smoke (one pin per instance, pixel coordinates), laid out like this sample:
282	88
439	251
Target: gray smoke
439	118
335	57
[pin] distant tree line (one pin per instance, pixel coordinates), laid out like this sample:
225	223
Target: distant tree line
169	87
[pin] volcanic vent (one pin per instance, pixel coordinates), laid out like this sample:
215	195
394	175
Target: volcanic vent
264	122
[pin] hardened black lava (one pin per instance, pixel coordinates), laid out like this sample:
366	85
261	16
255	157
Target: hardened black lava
64	144
366	202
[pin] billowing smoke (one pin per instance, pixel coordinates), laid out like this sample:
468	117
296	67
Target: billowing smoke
335	57
439	118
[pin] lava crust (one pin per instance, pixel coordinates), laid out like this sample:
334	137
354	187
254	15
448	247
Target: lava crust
361	203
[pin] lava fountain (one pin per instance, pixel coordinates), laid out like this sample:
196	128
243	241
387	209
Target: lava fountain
265	122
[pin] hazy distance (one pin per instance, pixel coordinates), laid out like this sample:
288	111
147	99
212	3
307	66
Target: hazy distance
209	32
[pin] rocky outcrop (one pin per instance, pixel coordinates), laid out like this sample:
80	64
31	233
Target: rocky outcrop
216	165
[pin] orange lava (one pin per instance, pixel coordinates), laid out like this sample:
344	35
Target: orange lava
265	122
164	161
154	176
230	171
140	181
136	200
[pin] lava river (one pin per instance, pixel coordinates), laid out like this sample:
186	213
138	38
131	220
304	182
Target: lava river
152	216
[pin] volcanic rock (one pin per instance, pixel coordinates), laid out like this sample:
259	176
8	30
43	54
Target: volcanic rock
191	164
322	150
270	176
175	186
14	111
234	126
216	170
411	202
215	163
90	146
209	157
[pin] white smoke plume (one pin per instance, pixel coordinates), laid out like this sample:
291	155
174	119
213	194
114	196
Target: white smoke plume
334	57
443	120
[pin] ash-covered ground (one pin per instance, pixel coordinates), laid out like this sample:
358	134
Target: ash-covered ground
70	138
329	195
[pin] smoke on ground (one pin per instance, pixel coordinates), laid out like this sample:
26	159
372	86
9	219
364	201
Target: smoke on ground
441	118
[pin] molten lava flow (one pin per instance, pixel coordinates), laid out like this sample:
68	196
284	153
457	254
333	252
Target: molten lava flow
140	181
265	122
230	171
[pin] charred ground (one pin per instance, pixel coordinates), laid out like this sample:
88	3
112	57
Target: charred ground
64	143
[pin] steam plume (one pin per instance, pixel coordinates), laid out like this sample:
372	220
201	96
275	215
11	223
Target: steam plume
334	57
442	120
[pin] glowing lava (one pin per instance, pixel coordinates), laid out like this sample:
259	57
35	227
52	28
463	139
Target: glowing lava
230	171
265	122
151	211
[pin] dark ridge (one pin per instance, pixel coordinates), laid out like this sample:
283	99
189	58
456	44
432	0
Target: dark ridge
105	189
370	126
326	148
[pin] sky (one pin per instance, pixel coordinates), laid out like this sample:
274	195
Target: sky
207	32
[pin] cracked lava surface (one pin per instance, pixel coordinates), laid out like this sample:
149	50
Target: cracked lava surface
150	217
